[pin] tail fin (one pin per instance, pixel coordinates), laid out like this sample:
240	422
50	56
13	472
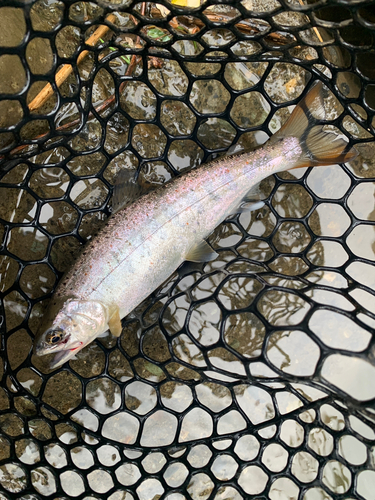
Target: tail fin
319	147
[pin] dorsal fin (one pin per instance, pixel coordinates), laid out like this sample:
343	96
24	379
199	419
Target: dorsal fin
234	149
125	191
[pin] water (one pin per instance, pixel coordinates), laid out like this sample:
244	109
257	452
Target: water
182	378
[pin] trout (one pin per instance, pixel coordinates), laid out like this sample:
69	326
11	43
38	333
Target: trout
143	243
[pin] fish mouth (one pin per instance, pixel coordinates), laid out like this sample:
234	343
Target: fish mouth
42	349
64	356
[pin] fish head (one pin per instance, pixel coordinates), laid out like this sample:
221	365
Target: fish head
68	326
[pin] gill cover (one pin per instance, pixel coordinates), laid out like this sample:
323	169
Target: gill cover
86	318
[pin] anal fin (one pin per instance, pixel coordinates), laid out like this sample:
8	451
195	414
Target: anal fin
201	252
114	323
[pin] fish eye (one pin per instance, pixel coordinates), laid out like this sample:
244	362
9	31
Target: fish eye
54	336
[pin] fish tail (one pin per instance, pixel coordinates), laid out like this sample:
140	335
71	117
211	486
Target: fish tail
319	147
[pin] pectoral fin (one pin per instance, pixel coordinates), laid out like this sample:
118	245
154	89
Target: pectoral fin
114	323
201	252
250	208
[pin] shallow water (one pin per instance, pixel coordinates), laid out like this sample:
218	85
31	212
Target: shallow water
229	354
290	352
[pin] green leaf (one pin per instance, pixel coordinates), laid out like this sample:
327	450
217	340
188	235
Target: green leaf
155	33
154	369
127	59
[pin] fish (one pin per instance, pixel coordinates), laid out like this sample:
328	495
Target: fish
144	242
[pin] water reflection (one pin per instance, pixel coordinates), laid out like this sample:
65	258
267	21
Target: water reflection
337	477
223	359
361	241
282	308
27	450
17	205
329	219
191	347
293	352
103	395
291	237
176	396
243	75
292	433
186	350
58	217
320	441
140	397
245	333
339	331
216	133
205	322
351	375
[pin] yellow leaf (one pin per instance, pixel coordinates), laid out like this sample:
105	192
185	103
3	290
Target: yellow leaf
188	3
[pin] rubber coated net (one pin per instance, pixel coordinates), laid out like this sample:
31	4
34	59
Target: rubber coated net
250	376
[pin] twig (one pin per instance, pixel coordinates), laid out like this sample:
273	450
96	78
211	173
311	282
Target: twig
104	105
195	24
67	69
99	109
247	26
314	28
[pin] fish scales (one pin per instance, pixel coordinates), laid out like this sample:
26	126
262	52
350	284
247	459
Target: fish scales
153	236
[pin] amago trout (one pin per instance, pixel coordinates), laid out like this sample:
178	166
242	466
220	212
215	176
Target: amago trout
143	243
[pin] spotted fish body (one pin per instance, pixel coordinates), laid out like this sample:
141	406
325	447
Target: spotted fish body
145	242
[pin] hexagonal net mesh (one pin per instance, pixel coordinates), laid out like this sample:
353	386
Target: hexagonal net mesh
248	376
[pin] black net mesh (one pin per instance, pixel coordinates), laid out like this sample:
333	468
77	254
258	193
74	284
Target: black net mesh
257	381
